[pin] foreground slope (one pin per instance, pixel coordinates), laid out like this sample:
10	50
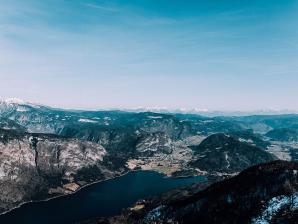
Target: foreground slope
260	194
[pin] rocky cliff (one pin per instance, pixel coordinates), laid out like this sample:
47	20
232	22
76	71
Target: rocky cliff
36	166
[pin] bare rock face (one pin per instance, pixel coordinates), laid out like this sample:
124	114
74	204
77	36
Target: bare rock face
154	142
31	164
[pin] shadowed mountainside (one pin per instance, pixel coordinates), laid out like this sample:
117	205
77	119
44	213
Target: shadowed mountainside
260	194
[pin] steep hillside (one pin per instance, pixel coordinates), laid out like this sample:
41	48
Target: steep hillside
283	134
35	166
224	153
264	123
260	194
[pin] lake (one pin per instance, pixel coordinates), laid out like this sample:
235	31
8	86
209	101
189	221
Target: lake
101	199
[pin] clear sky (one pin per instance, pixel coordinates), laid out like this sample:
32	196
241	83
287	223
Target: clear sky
215	54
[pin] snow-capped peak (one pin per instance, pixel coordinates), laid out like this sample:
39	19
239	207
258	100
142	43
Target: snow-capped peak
14	101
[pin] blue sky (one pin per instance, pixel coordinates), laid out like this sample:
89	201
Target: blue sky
214	54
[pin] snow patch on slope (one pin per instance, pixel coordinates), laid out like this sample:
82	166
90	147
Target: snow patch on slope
275	205
85	120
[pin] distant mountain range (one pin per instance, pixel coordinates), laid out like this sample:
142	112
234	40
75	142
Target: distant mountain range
157	109
210	113
47	152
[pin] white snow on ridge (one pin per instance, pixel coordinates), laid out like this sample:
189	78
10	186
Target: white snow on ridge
154	117
227	160
154	214
22	109
85	120
207	121
245	140
18	102
14	101
274	205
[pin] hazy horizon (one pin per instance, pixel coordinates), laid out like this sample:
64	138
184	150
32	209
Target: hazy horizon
92	54
199	111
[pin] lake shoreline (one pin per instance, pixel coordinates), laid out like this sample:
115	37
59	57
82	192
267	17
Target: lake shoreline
90	184
65	195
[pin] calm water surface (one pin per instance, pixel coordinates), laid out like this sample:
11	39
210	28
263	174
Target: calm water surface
101	199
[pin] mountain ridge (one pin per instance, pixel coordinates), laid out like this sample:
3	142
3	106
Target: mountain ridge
166	143
157	109
244	198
